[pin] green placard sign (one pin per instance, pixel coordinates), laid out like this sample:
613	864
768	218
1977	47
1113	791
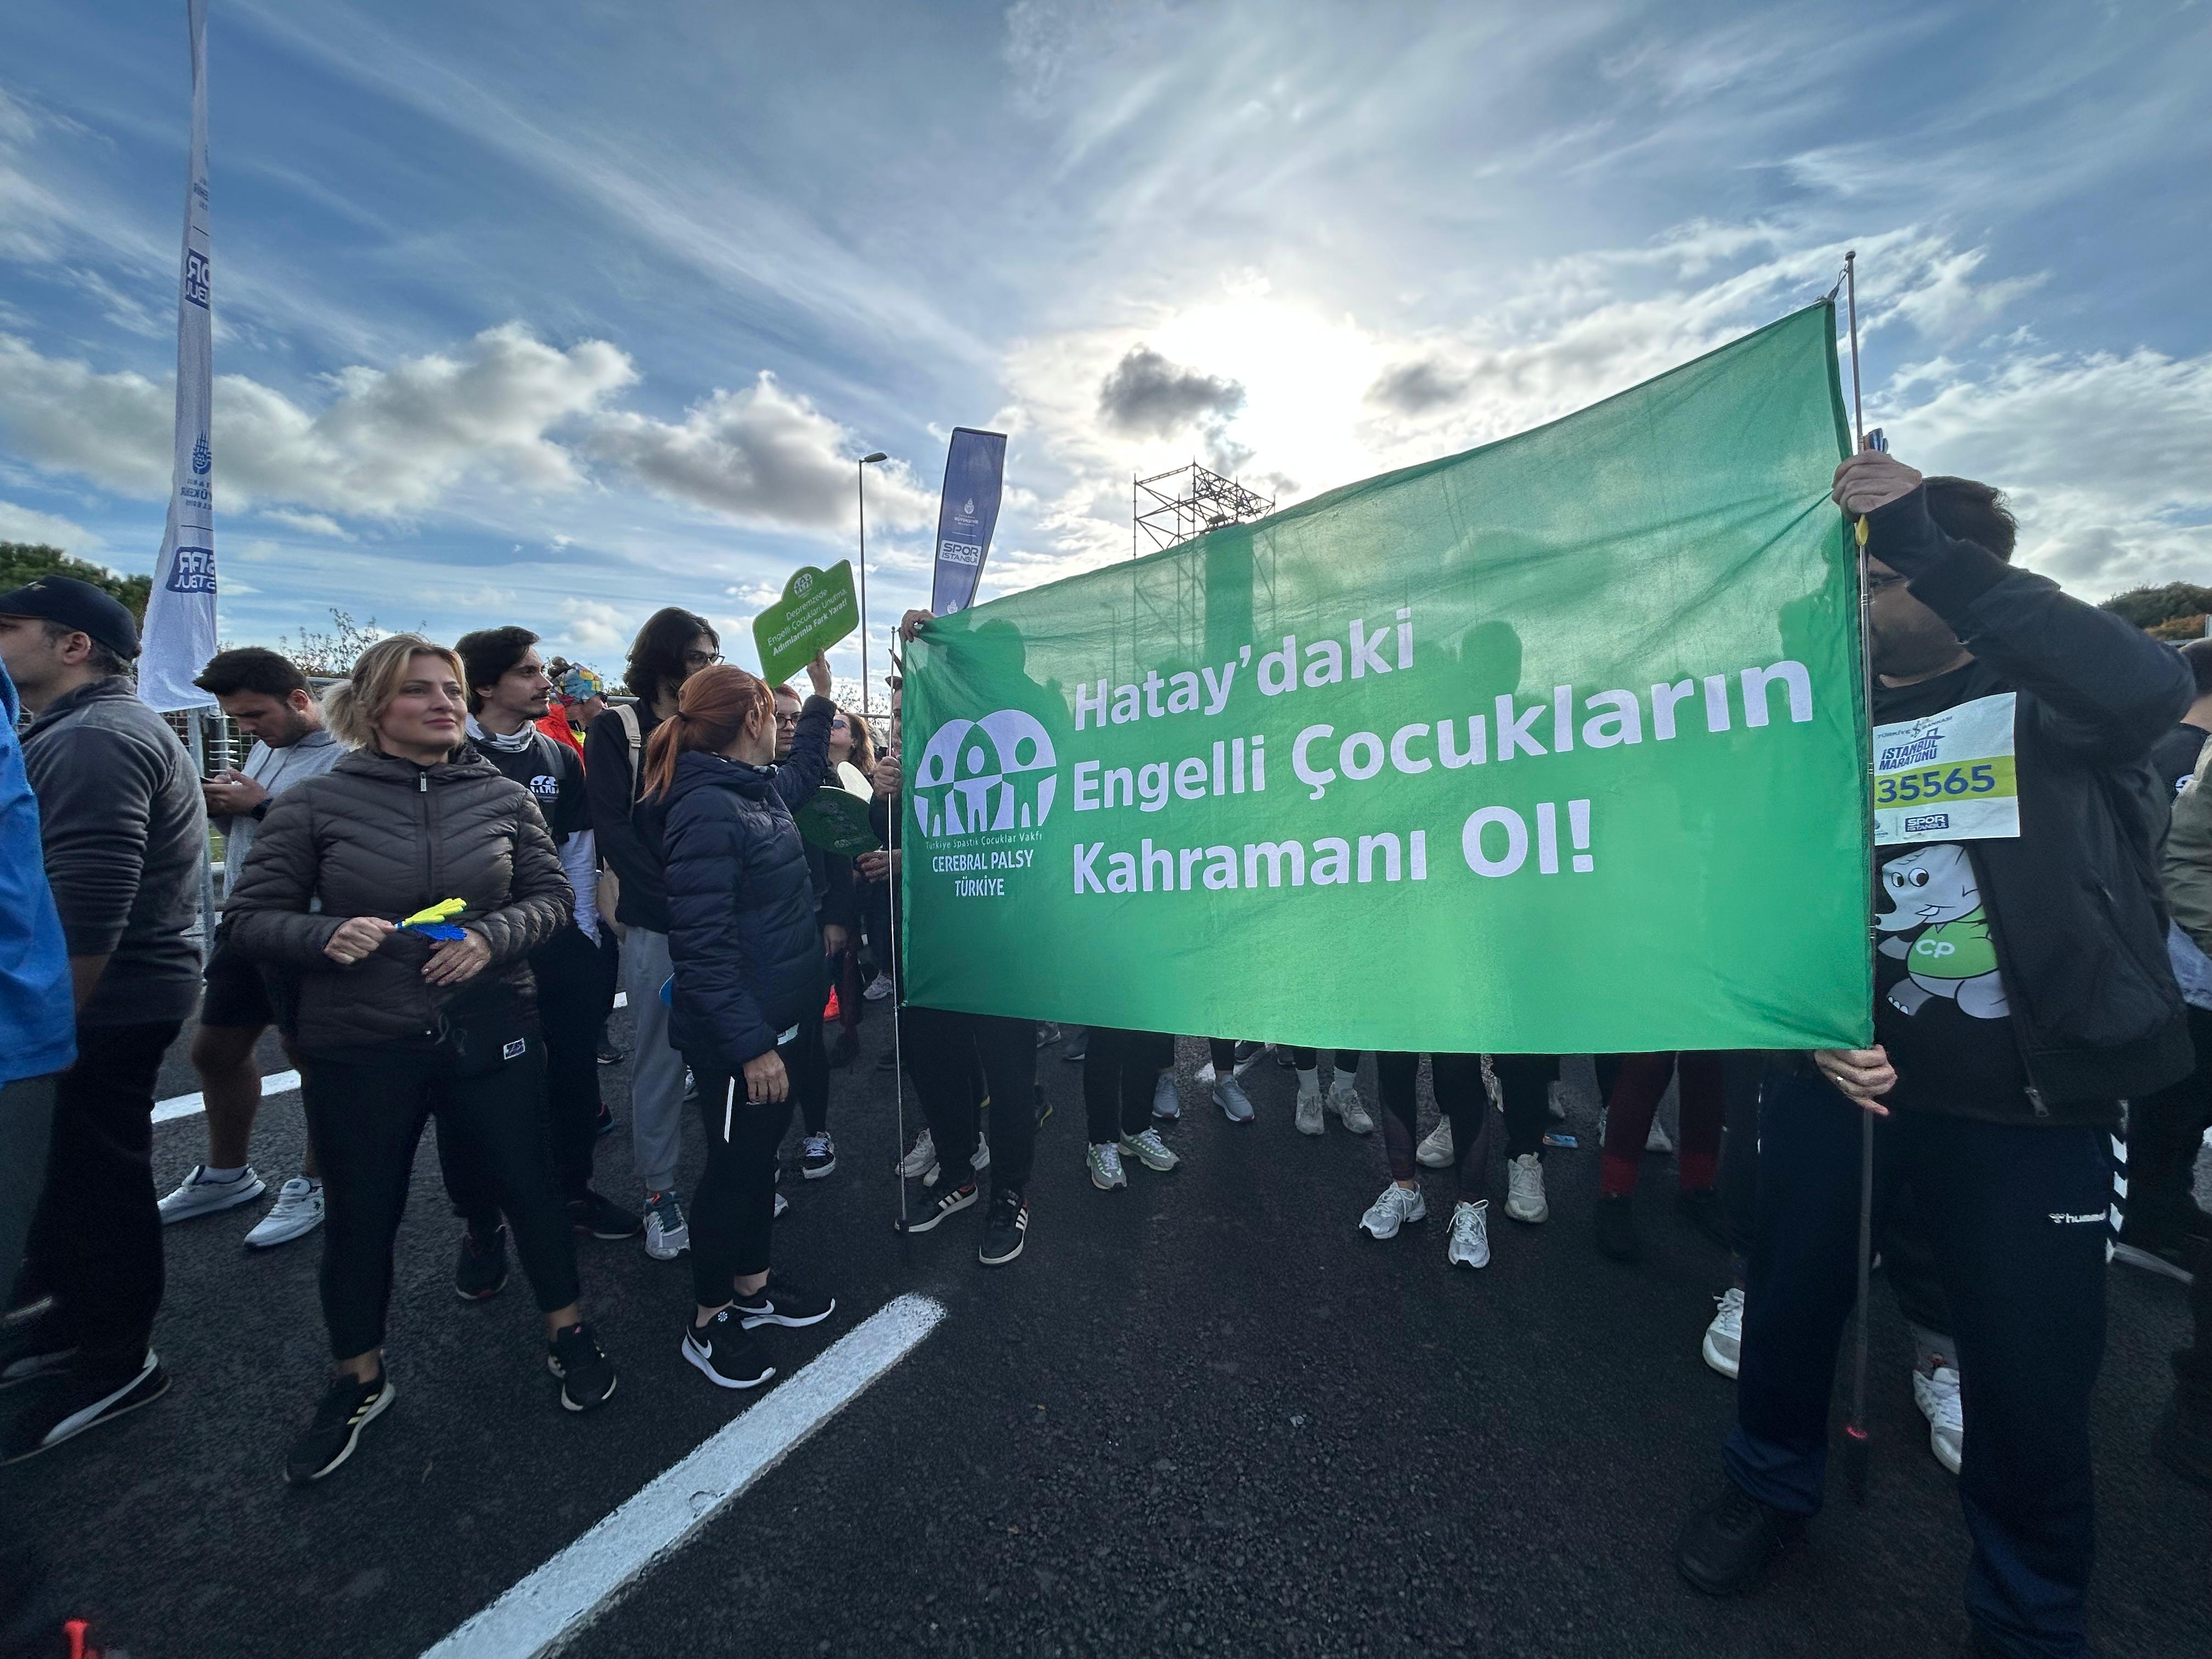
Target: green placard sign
817	611
837	821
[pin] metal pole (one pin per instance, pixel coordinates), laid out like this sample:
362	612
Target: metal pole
860	493
207	853
1856	1439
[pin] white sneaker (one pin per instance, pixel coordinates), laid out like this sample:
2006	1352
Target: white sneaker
1149	1150
1236	1105
879	987
781	1205
196	1196
1555	1100
1397	1206
1469	1244
1344	1100
1436	1147
1103	1160
981	1158
1657	1141
1167	1102
1937	1396
921	1159
297	1211
1723	1344
1524	1189
667	1233
1308	1116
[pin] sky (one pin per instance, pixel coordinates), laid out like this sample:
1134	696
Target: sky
558	315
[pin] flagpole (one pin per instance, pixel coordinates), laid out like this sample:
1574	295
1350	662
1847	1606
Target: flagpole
860	496
1856	1441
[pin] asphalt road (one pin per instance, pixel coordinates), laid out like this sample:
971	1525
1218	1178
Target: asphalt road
1201	1415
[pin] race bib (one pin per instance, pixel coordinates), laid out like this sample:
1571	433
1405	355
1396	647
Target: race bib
1946	776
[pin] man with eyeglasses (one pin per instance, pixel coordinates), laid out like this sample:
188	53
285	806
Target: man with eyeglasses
833	913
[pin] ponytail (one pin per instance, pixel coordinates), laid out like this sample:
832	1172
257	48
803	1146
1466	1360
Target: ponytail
714	706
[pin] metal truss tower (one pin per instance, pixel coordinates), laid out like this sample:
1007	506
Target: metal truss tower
1171	507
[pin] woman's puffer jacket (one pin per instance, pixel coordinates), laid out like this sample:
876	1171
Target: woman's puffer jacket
381	836
742	933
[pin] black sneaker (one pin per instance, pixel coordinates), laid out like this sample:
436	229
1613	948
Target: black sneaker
887	1060
1616	1227
612	1054
1004	1229
1047	1033
1727	1544
1077	1046
348	1407
780	1302
818	1156
600	1218
588	1375
481	1272
67	1403
1245	1053
725	1355
1702	1208
951	1202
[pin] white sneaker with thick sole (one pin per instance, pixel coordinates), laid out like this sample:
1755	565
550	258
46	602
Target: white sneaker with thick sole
1436	1147
197	1196
667	1233
1103	1161
1344	1100
1236	1105
297	1211
1937	1396
1308	1116
921	1159
1723	1344
1397	1206
879	987
1149	1150
1469	1244
1524	1189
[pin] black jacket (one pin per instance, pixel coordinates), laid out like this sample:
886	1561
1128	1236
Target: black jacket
380	836
743	936
2078	912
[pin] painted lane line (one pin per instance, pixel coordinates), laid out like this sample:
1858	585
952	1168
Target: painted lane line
276	1082
547	1604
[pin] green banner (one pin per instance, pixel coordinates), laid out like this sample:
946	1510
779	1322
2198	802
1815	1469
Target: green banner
1554	746
836	815
816	611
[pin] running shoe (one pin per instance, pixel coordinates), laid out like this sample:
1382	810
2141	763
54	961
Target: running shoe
1723	1344
1436	1147
1555	1099
1726	1547
724	1354
1469	1245
1005	1230
951	1202
1236	1105
978	1160
1167	1099
780	1302
888	1060
1524	1189
781	1205
879	987
64	1404
603	1124
1344	1100
818	1156
1656	1141
1076	1045
1047	1033
297	1211
667	1234
1936	1393
1103	1159
588	1375
1149	1150
1397	1206
196	1194
598	1217
480	1273
1245	1053
347	1408
922	1160
1616	1227
611	1052
1308	1116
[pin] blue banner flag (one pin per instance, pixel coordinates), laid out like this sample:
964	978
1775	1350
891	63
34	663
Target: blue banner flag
974	472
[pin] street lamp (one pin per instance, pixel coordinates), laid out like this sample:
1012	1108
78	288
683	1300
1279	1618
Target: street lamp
861	489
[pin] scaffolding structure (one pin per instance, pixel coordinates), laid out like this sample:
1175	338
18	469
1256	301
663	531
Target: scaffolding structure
1170	508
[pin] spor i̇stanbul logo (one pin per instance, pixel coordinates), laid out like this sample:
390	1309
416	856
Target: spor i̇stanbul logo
978	776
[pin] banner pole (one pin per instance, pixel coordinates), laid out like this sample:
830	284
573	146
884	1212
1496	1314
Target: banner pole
1856	1439
860	496
892	863
199	746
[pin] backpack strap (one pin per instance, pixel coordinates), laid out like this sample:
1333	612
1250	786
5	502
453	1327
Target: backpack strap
627	714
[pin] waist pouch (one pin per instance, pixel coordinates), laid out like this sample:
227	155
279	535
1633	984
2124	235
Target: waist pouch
483	1030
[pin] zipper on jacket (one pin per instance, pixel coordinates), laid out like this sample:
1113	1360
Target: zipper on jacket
430	881
2006	978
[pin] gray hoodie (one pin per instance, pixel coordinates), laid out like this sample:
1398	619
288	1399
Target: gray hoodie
123	829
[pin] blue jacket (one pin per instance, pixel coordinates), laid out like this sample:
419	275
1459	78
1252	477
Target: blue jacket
38	1022
743	937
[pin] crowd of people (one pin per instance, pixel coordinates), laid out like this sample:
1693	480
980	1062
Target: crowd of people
441	872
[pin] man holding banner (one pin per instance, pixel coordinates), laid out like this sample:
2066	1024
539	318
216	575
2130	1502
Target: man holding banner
2024	990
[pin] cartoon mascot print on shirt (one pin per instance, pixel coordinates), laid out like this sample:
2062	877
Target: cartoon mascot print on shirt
1932	888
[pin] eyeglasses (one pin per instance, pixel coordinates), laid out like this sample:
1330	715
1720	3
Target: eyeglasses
701	658
786	720
840	724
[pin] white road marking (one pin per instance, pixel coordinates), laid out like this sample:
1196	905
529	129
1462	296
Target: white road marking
276	1082
552	1602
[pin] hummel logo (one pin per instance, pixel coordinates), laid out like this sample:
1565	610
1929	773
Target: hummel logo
2065	1220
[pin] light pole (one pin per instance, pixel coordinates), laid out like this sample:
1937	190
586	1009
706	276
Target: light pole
860	491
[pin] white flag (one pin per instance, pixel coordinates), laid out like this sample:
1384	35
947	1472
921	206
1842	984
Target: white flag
179	635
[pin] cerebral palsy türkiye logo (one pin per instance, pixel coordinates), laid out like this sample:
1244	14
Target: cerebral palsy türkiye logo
977	776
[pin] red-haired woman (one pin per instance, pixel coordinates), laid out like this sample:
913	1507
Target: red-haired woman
746	955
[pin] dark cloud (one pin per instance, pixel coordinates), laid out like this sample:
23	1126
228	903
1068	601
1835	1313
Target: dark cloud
1415	388
1147	396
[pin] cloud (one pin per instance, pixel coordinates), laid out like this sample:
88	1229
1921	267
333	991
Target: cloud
1147	396
594	625
1417	388
23	524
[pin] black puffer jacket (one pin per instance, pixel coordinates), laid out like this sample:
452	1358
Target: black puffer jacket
380	836
741	933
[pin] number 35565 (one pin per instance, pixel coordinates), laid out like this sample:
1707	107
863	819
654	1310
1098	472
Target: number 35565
1933	783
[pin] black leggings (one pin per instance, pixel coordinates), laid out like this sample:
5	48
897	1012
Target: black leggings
1347	1060
943	1050
1119	1070
1526	1081
733	1207
1463	1099
808	1062
365	1114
